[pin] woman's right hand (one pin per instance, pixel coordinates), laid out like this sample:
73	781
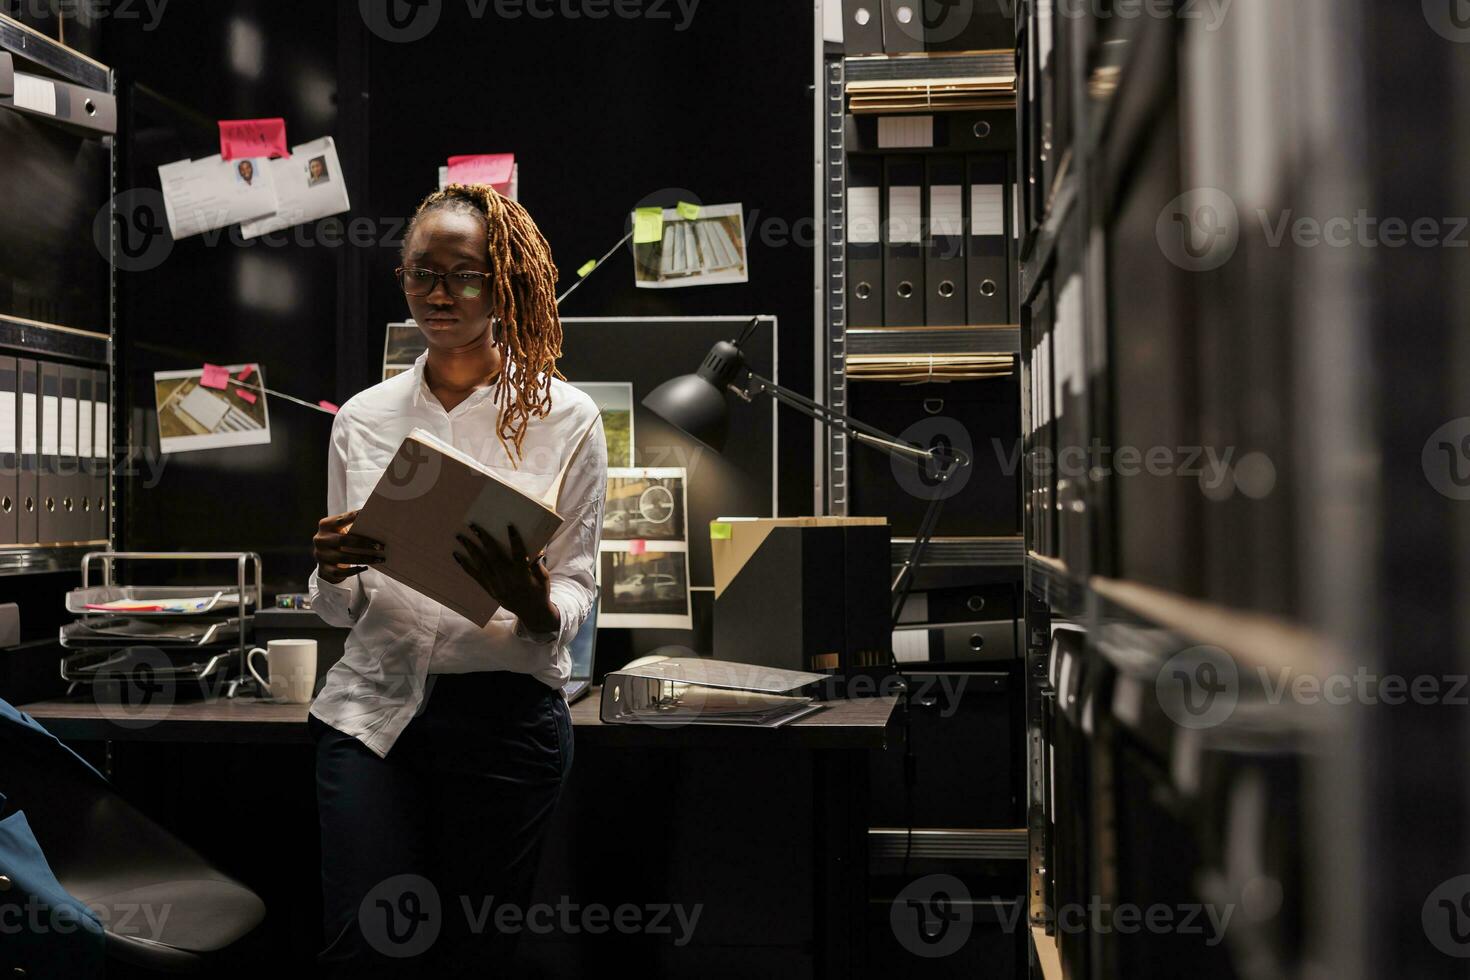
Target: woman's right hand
339	554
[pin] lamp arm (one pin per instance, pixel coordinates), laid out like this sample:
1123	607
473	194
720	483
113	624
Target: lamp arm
864	433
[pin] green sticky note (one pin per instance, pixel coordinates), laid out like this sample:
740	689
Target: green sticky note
582	272
719	531
648	226
687	211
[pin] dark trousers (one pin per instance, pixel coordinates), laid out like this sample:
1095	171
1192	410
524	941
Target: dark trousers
429	855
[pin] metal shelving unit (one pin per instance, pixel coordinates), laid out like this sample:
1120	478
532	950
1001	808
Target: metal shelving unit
91	345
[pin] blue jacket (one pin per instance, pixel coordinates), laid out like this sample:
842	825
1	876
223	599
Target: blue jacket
43	929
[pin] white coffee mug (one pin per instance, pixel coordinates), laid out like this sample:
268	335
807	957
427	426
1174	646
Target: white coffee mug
291	665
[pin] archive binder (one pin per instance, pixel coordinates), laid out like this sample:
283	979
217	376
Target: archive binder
864	241
101	458
9	452
862	26
903	248
988	286
30	460
944	266
49	509
86	467
68	486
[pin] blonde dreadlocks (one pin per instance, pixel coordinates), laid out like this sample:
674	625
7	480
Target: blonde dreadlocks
522	300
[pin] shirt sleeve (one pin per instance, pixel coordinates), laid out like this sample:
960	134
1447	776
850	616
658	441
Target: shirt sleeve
571	555
338	604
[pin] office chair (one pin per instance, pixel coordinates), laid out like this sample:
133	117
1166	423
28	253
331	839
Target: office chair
112	859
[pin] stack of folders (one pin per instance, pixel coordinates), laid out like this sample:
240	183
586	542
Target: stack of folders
696	247
928	240
929	367
673	692
54	452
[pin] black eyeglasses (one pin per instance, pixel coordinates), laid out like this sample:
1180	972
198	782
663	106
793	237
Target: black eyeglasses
422	282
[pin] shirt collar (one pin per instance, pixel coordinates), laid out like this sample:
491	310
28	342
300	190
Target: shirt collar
420	384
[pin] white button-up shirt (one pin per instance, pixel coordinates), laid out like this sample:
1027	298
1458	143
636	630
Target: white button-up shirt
401	638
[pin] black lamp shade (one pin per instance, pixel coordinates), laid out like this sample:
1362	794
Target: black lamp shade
695	406
696	403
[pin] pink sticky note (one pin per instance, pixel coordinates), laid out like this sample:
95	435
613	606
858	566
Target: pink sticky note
637	547
246	373
249	396
483	168
252	138
215	377
329	407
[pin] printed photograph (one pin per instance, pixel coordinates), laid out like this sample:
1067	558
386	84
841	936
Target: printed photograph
194	417
615	402
316	171
649	589
705	252
645	505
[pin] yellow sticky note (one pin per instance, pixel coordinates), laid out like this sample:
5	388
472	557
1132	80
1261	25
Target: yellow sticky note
719	531
648	226
687	211
582	272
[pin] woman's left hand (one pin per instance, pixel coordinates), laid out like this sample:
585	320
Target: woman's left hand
518	581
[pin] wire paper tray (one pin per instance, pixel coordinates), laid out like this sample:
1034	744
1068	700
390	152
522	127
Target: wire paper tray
100	666
116	630
214	601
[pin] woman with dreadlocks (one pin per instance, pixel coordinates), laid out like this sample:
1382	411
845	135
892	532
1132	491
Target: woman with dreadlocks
442	746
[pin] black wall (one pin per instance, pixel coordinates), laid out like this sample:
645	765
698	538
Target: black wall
604	115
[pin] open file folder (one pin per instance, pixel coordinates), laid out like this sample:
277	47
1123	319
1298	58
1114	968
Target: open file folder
677	692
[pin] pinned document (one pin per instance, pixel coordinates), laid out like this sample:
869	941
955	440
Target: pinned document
309	185
202	195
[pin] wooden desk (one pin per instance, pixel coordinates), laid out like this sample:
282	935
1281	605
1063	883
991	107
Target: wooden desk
861	723
764	829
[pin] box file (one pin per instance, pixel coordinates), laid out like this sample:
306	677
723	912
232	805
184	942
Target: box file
944	267
988	285
903	28
862	26
49	504
903	249
101	458
70	487
864	241
30	459
9	451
